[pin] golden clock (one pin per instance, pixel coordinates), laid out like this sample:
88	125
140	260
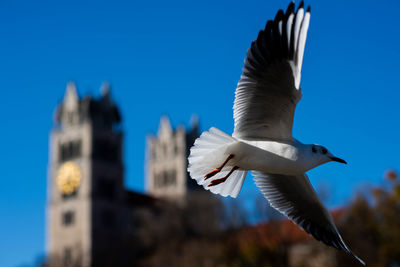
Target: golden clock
69	178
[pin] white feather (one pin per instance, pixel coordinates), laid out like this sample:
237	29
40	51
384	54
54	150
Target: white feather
302	40
206	155
297	24
289	27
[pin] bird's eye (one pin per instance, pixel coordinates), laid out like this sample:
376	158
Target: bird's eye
314	149
324	150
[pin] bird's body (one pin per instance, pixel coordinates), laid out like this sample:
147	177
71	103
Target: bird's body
290	157
265	101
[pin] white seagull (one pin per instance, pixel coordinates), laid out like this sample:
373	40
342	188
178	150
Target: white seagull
266	98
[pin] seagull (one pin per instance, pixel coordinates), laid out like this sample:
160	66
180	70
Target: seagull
265	101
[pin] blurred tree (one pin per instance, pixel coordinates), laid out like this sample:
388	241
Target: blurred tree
182	235
208	231
373	227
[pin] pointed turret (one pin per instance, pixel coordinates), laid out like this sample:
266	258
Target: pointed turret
71	100
164	129
68	112
166	166
100	112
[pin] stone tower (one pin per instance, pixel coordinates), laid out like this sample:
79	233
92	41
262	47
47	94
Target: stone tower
85	210
166	159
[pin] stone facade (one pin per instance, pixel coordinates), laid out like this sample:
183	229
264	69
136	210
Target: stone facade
92	220
166	161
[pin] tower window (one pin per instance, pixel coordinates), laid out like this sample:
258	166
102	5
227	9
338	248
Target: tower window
68	218
70	196
165	179
176	149
172	178
70	150
67	256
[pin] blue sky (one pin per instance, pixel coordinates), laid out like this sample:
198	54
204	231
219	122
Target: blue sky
181	58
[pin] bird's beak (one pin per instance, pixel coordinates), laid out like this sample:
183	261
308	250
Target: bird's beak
338	160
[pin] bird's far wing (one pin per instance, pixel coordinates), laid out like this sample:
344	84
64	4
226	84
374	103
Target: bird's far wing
268	91
294	197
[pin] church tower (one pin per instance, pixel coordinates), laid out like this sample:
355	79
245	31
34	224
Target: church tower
85	181
166	159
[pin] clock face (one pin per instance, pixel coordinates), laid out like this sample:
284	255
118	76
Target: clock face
69	178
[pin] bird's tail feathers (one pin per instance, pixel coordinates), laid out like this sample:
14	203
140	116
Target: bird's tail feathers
208	147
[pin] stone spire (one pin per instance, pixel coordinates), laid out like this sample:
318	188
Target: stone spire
164	127
71	100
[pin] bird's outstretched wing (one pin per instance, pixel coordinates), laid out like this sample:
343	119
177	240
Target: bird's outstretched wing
268	91
294	197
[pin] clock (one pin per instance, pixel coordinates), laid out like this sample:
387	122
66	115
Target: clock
69	178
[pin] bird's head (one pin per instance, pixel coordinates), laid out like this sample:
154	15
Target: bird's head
324	155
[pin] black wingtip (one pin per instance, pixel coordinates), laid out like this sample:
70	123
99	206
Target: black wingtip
290	8
309	9
356	257
279	16
268	26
